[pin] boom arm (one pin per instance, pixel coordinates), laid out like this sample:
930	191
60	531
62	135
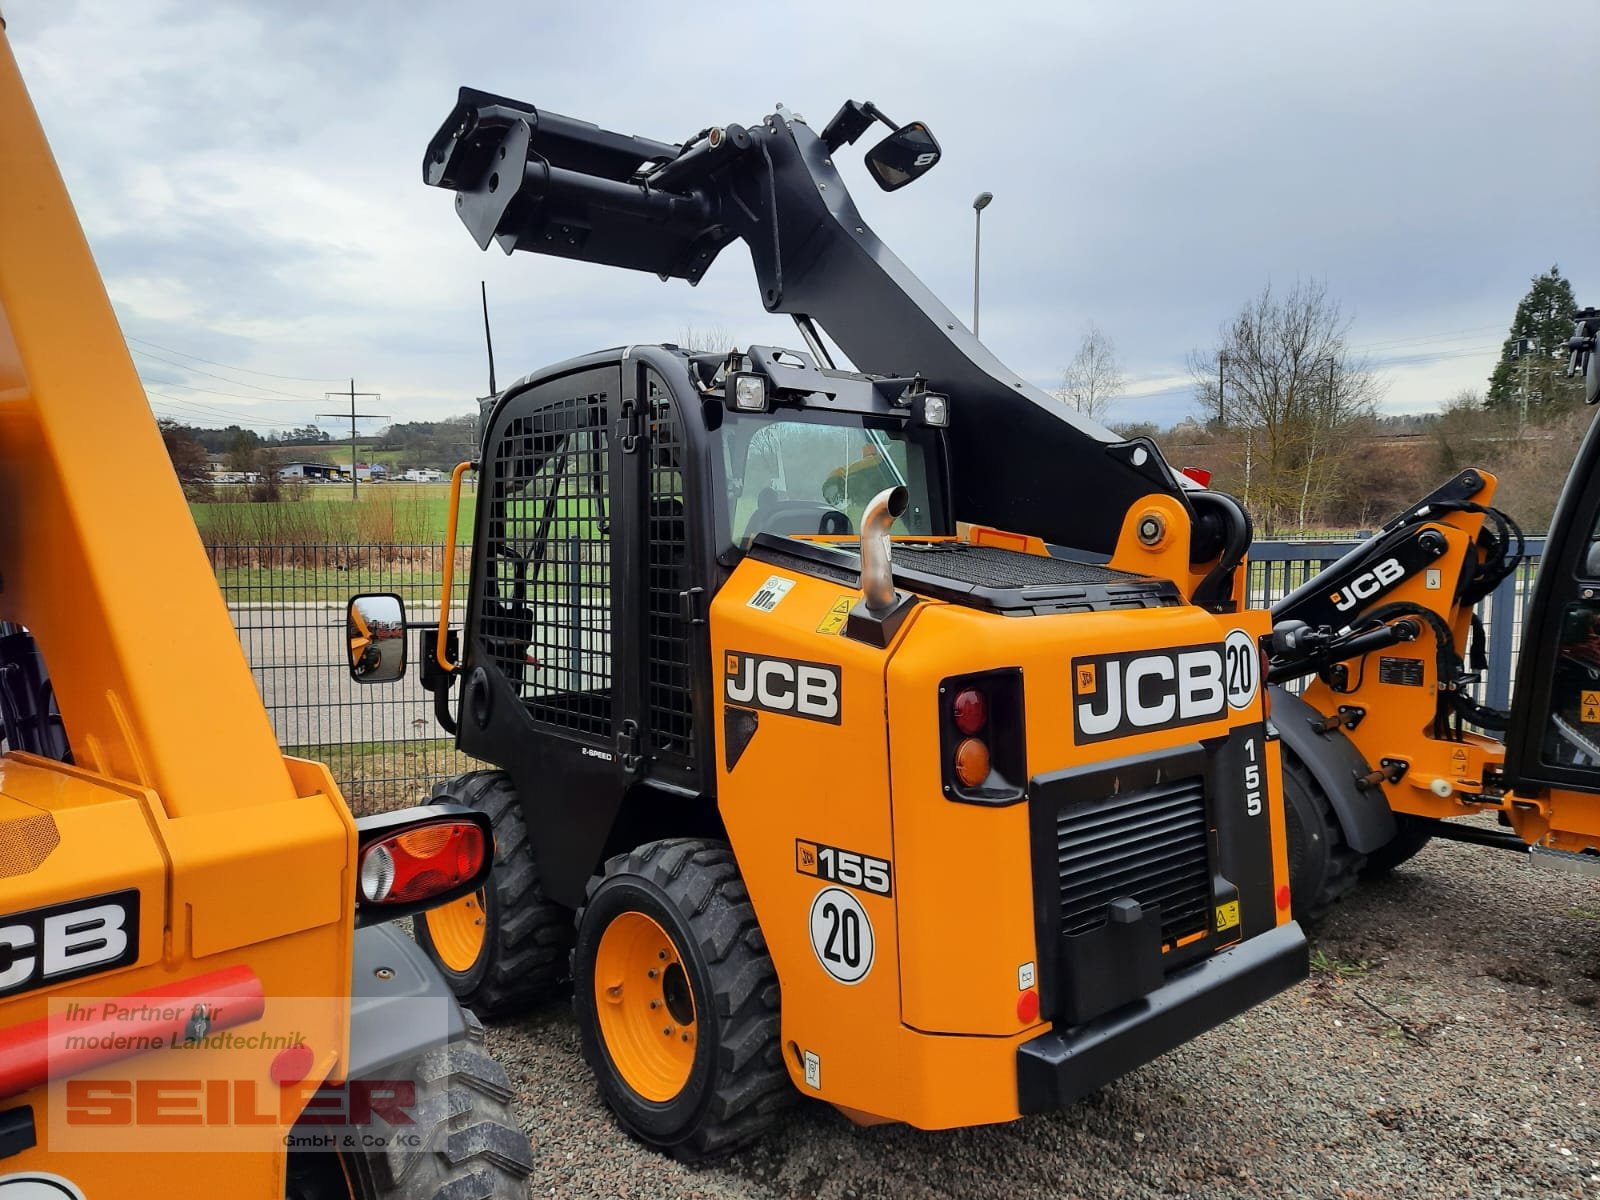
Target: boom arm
535	180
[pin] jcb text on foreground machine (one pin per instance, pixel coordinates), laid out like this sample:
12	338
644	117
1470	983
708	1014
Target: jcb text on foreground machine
992	806
1386	744
196	997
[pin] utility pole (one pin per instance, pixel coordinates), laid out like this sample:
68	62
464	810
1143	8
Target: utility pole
979	203
1524	350
355	480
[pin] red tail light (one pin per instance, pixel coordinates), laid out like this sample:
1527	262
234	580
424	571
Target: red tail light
418	858
970	711
1199	474
419	864
981	737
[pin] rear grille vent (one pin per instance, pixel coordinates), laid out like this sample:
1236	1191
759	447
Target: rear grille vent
1149	844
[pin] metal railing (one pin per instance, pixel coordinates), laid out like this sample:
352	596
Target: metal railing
381	740
288	606
1278	567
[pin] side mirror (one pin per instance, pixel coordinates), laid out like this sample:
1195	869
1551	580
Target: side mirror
375	637
908	153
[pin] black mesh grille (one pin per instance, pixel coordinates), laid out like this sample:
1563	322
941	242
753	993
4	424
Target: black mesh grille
670	697
546	601
1149	844
994	567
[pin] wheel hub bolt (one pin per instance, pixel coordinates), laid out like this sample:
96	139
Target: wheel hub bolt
662	955
667	1031
655	1004
651	972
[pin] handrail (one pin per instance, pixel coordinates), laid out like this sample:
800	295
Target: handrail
448	581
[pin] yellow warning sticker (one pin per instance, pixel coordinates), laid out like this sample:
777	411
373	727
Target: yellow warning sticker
1591	707
834	621
1227	915
1086	677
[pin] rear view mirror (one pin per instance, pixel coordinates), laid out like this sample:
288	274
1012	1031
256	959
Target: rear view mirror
908	153
375	637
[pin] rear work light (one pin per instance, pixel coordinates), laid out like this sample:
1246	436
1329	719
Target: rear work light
981	737
418	858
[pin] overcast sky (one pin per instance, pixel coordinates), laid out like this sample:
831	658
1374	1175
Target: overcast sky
249	177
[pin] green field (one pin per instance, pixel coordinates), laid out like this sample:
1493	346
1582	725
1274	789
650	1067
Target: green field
325	514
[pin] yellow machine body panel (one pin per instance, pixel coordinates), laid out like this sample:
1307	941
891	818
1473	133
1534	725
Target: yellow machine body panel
834	792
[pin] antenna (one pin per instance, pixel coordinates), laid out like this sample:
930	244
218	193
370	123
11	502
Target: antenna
488	341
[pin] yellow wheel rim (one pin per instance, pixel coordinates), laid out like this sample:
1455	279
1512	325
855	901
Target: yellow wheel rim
458	931
645	1006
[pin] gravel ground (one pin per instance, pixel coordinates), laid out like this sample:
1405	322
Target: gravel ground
1446	1045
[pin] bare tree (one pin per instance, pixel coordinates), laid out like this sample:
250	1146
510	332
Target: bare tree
1094	377
1294	395
714	338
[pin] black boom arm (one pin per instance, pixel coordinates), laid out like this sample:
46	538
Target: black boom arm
535	180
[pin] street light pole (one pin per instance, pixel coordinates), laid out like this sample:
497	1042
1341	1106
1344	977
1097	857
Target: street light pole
979	203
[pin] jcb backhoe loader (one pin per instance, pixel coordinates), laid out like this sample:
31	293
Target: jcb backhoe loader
194	999
1386	744
963	754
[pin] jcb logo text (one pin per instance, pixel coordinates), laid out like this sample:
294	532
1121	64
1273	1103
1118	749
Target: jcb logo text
782	685
1367	585
1135	693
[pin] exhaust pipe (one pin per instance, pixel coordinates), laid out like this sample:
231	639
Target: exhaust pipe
877	574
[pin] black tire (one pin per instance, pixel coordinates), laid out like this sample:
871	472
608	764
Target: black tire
1411	835
465	1140
1322	867
527	935
737	1083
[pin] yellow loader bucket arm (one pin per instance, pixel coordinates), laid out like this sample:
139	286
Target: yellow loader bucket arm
150	676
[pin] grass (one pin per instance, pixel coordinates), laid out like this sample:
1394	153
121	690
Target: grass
383	776
325	514
1324	964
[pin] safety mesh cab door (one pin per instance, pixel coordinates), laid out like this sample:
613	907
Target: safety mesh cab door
546	591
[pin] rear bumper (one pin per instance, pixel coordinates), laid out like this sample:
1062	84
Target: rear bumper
1060	1067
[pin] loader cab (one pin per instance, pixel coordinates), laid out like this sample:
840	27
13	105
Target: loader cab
617	494
1554	736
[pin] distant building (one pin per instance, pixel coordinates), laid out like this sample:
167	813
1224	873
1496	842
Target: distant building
311	471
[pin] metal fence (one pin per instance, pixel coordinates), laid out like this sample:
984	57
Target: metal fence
1278	567
288	606
381	740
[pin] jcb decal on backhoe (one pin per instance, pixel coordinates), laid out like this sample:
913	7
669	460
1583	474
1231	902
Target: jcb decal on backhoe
782	685
1368	584
1120	694
48	945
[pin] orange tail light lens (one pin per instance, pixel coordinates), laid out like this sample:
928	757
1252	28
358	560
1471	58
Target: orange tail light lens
972	762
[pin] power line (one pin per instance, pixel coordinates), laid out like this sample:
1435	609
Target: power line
224	378
215	413
190	387
230	366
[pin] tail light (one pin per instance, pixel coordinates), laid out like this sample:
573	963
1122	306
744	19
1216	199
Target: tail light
981	737
418	858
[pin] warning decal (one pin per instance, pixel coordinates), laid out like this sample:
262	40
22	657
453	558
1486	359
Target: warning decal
834	621
1591	708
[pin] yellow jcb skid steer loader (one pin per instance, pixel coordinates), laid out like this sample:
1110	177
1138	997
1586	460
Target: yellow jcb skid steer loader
940	789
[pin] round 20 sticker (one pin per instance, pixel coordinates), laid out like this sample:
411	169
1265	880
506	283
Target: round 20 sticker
1241	668
841	935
